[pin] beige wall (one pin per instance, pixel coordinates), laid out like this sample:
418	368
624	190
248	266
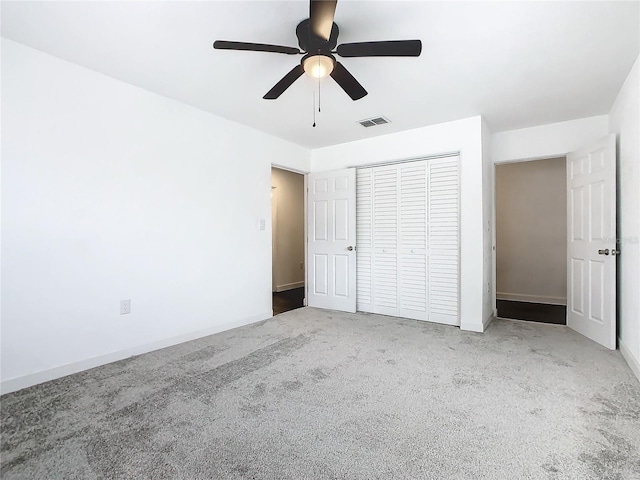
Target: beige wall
288	229
531	231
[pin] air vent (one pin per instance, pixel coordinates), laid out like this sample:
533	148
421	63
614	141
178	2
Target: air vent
372	122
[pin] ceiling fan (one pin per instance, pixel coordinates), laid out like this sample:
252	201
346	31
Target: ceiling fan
317	37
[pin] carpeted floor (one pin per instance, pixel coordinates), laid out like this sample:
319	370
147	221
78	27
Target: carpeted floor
313	394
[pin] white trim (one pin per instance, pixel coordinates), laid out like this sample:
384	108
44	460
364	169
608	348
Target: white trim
520	297
289	286
634	363
478	327
532	159
515	296
289	169
405	160
487	321
274	224
472	327
18	383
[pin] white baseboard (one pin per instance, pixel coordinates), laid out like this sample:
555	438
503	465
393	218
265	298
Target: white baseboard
18	383
289	286
477	327
633	362
472	327
519	297
487	321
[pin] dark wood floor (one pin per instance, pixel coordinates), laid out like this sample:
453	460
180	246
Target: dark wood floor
534	312
287	300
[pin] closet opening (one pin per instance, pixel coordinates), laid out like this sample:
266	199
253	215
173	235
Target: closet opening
288	240
531	240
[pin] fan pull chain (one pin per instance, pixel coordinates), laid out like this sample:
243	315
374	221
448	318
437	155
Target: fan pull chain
314	97
318	84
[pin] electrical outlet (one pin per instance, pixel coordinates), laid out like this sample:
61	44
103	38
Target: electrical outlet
301	265
262	224
125	307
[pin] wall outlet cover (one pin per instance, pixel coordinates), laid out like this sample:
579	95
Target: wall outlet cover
125	307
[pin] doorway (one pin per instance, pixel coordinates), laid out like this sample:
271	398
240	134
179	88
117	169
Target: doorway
288	242
531	240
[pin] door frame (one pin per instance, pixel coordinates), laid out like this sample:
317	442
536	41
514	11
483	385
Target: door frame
304	194
494	269
493	220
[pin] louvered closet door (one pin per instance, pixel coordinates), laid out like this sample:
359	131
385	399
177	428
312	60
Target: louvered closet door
377	240
412	239
364	240
408	240
444	240
385	240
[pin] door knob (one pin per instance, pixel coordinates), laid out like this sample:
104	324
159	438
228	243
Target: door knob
615	252
350	248
604	252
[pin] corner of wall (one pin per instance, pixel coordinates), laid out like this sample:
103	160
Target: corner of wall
488	231
624	121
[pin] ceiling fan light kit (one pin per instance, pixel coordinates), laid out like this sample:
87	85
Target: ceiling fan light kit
318	37
318	66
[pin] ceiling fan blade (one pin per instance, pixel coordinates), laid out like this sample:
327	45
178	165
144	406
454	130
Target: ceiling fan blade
254	47
391	48
285	83
348	83
321	13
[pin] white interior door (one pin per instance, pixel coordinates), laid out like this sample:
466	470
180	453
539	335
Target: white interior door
331	230
591	237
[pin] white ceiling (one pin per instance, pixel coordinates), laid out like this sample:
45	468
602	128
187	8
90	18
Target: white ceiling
518	64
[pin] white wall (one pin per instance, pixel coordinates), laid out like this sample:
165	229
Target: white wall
547	141
288	261
624	121
110	192
488	284
463	136
531	231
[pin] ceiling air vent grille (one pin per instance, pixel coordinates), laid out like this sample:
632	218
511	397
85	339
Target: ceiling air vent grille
372	122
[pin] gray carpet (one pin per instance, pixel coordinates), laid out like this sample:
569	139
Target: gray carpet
313	394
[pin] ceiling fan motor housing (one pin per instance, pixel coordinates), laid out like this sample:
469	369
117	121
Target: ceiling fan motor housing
311	43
